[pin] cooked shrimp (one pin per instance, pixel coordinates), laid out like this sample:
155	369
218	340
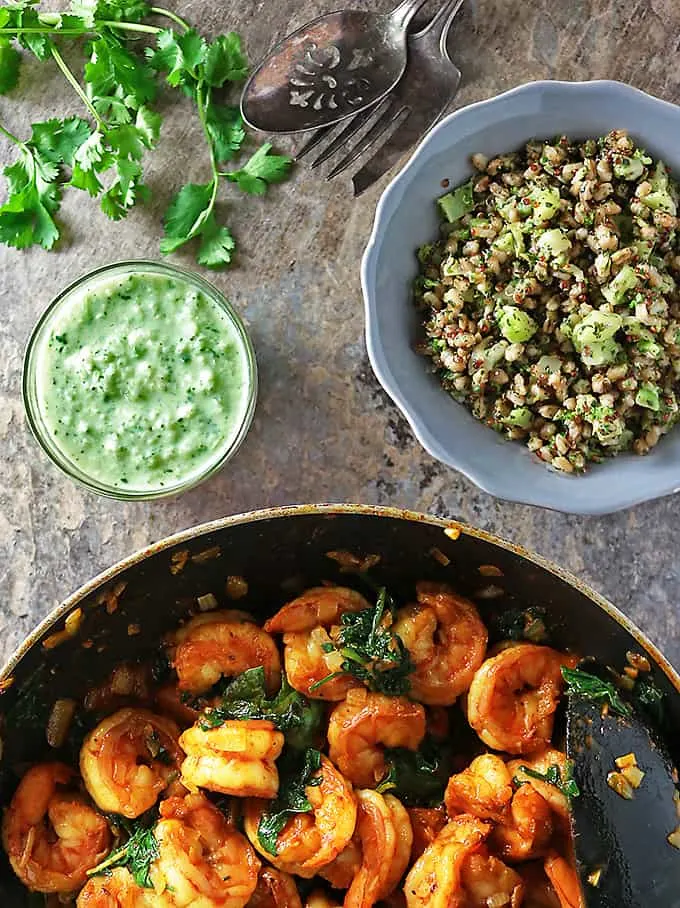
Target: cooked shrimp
310	841
342	870
222	644
435	880
51	835
203	860
384	831
235	758
169	702
525	833
487	881
426	824
320	606
483	789
364	724
446	640
275	890
541	763
117	889
564	880
307	664
305	622
129	759
513	697
538	890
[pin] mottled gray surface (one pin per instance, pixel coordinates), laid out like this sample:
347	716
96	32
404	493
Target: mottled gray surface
323	428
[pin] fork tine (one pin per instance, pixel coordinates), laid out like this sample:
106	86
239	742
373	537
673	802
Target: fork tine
381	125
351	129
317	136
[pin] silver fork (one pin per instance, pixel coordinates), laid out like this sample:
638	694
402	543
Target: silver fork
427	88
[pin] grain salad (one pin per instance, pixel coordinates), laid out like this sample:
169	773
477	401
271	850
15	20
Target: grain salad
550	304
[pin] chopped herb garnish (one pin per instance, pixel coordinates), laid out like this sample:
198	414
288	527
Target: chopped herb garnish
137	854
246	698
371	651
292	797
553	776
590	687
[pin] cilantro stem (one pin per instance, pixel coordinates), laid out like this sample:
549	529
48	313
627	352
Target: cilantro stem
131	27
201	104
10	135
159	11
73	82
48	30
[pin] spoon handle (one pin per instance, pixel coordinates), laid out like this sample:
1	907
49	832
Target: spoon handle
406	10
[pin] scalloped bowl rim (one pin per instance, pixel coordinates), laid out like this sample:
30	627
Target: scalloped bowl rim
388	204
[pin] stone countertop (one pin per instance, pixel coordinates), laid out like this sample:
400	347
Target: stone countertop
324	430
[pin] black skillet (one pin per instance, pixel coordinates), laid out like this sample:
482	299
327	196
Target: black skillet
280	552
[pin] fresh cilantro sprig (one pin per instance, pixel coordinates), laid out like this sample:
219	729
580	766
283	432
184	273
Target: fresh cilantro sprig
553	776
590	687
137	854
371	651
292	798
103	155
246	698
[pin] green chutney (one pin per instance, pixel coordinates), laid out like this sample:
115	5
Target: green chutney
143	381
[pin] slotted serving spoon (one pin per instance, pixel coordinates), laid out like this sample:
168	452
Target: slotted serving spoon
623	854
331	68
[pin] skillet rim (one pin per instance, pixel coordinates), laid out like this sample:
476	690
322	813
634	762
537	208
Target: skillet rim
331	509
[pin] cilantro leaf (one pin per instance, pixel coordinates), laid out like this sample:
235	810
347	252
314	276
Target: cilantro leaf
225	61
23	16
113	69
111	10
58	141
179	56
34	196
186	215
261	170
10	61
125	191
86	180
224	125
217	244
26	219
292	797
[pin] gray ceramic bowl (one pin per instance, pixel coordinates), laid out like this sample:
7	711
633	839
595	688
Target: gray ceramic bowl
406	217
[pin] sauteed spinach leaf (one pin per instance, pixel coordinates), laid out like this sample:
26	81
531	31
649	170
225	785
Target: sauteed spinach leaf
246	698
418	777
590	687
371	651
553	776
292	797
137	853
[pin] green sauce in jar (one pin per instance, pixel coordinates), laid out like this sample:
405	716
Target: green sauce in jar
142	380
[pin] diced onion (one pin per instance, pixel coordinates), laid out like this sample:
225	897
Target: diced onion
207	602
626	760
618	783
